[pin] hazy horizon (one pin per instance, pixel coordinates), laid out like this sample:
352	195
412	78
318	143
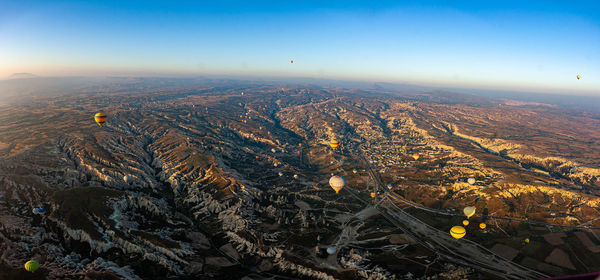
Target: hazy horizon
500	46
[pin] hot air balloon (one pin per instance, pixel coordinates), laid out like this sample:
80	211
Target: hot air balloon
415	156
482	226
295	176
458	232
389	186
100	118
242	93
127	179
354	171
273	150
469	211
275	164
331	250
292	61
39	210
32	266
334	143
465	223
337	183
280	174
108	178
373	195
526	240
578	77
471	181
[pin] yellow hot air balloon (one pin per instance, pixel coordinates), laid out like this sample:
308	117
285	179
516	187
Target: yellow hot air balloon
334	143
465	223
469	211
415	156
32	265
482	225
526	240
100	118
337	183
373	195
458	232
578	77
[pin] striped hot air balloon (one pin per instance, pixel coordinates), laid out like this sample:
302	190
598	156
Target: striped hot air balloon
100	118
458	232
334	143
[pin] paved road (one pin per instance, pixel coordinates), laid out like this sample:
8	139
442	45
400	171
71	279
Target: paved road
463	251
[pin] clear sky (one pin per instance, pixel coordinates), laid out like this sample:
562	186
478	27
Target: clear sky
524	45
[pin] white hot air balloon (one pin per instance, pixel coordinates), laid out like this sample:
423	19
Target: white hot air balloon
280	174
331	250
337	183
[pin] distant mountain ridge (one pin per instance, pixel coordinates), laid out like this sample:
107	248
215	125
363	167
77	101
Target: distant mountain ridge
22	76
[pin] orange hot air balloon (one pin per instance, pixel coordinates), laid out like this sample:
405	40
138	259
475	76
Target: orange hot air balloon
100	118
415	156
373	195
292	61
334	144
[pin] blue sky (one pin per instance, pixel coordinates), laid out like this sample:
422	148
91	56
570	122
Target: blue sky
520	45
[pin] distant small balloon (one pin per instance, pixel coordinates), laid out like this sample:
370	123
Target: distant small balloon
127	179
471	181
354	171
373	195
578	77
295	176
280	174
389	186
292	61
331	250
415	156
32	266
482	226
465	223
